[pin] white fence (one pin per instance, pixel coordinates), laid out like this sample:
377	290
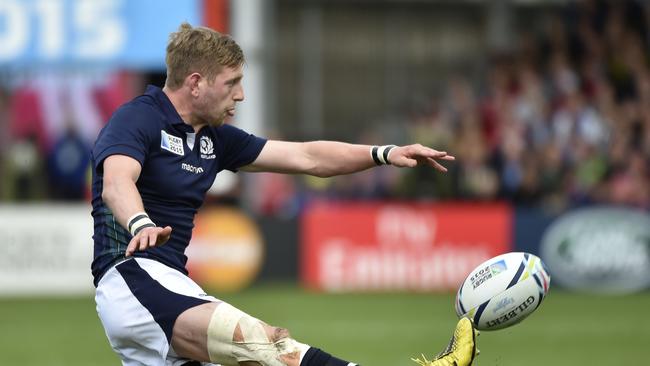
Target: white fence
45	249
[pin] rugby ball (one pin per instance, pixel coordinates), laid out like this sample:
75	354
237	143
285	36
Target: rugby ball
502	291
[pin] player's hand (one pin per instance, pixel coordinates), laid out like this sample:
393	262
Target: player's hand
147	238
415	155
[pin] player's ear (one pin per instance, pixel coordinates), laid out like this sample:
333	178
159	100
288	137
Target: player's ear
193	80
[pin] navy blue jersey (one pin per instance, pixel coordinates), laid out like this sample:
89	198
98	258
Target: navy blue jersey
178	167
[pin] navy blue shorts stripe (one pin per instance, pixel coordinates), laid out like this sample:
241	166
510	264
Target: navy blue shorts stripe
165	306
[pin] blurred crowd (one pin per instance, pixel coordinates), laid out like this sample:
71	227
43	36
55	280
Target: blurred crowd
48	123
561	119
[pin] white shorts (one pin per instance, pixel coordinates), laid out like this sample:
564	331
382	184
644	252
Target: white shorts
138	301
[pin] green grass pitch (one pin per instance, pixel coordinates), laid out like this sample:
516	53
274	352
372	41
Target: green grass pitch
371	329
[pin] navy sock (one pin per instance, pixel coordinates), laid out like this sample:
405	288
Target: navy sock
316	357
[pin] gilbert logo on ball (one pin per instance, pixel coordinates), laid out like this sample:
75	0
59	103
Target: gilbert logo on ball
502	291
226	250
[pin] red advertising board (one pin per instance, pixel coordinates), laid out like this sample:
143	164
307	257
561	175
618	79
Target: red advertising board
385	246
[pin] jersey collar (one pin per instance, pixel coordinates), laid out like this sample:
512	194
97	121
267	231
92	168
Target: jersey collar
167	108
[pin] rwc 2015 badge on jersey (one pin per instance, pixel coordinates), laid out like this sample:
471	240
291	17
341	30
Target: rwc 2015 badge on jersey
171	143
207	148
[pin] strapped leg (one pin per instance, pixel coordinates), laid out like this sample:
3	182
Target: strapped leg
234	337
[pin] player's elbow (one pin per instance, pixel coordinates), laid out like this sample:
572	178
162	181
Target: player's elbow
314	167
322	173
320	170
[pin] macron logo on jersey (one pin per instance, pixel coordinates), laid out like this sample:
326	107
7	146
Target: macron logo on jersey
191	168
171	143
207	148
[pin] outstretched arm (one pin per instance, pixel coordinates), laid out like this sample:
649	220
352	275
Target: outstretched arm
330	158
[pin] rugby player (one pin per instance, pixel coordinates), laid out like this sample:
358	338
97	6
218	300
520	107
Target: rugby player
152	165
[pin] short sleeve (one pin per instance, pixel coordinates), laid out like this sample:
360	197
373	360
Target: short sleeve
129	132
240	148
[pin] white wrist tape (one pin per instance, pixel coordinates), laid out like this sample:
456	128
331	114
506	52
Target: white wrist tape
138	222
380	154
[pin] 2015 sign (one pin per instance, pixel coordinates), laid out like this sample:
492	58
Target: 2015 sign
44	27
113	33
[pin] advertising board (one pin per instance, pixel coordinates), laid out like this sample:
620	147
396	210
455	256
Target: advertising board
45	249
599	249
385	246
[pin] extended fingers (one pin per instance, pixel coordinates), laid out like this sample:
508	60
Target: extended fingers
447	157
163	235
418	150
435	154
147	238
153	238
412	155
133	244
432	162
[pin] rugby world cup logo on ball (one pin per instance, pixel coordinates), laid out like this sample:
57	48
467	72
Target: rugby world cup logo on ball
503	291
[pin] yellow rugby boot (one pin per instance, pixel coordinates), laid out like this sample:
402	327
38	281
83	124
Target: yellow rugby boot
460	351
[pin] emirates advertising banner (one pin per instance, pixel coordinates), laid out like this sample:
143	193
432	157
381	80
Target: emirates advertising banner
399	247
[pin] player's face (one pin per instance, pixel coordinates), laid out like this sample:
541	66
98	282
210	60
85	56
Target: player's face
220	96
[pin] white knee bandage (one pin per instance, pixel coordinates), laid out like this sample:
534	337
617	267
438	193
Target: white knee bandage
256	346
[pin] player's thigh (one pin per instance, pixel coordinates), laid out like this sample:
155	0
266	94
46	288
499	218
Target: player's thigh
130	328
138	302
190	334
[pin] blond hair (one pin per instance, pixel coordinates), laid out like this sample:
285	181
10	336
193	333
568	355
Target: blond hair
199	49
